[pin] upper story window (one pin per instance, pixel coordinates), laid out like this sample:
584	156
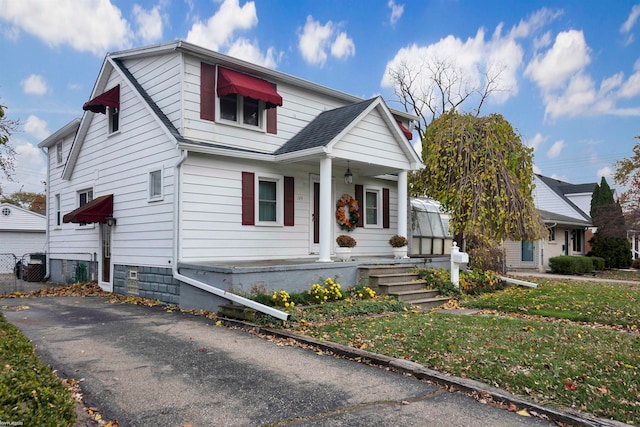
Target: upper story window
107	103
240	98
59	153
155	185
113	113
242	110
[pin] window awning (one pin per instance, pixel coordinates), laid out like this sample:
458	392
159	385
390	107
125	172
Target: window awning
96	210
406	131
242	84
99	104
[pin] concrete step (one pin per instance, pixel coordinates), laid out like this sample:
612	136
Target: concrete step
430	303
379	279
417	295
386	269
393	288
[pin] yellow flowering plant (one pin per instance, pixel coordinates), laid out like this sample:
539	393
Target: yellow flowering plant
282	299
329	290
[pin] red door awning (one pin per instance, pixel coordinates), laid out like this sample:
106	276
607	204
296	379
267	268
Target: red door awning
245	85
96	210
99	104
406	131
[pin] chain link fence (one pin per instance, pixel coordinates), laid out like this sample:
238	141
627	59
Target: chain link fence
8	274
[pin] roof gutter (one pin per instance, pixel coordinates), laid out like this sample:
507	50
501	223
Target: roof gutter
200	285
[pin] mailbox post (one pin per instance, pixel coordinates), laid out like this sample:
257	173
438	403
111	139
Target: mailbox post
457	258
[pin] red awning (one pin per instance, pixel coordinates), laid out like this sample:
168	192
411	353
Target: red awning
245	85
406	131
99	104
96	210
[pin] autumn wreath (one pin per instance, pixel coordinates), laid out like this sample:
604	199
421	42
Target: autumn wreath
350	205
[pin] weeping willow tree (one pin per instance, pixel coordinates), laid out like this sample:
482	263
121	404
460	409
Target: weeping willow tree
479	170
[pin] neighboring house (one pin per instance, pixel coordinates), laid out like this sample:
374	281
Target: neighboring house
192	172
22	232
564	209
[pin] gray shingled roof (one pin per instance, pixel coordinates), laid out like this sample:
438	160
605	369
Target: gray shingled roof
561	219
562	188
321	130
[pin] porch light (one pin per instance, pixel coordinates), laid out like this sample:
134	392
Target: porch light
111	221
348	176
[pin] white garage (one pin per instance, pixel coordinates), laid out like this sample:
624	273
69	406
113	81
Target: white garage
21	232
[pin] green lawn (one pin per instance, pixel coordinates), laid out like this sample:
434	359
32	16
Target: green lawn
30	393
607	303
549	360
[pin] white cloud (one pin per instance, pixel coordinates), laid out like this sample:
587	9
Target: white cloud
217	32
476	57
343	46
94	26
568	55
536	141
315	41
245	50
606	172
535	22
627	26
34	85
559	177
149	23
396	11
36	127
536	169
30	169
556	149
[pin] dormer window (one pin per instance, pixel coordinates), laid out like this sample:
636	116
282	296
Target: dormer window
239	98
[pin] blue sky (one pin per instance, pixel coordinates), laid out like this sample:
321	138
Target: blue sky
570	79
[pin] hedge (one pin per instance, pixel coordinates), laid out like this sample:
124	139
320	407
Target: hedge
566	264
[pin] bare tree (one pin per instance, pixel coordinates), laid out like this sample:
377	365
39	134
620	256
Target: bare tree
7	153
437	86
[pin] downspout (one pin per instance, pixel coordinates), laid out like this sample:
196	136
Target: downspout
200	285
47	261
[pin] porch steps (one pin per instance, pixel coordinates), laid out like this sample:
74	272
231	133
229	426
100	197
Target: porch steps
398	280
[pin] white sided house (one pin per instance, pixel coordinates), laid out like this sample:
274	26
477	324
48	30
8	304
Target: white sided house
193	174
564	209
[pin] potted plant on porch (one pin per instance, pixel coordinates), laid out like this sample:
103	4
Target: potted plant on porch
399	246
345	243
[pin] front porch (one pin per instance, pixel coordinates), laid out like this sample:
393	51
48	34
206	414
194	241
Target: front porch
291	275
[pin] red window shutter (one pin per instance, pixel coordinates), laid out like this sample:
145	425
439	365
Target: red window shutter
248	198
385	208
272	120
207	91
289	201
360	199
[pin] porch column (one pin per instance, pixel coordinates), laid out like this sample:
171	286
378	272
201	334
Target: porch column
403	201
326	210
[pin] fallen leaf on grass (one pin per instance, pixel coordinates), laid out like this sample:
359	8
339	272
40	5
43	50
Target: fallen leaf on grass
523	413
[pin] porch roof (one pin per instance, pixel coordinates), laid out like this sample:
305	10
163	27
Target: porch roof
552	217
324	128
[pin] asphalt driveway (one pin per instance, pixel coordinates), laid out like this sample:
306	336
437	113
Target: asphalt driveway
143	366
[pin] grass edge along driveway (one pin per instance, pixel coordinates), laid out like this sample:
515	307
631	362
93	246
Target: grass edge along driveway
592	366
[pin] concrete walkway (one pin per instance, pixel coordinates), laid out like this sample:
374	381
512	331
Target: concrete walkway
143	366
531	273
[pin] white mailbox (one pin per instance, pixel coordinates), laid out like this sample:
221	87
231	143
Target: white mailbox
460	257
457	258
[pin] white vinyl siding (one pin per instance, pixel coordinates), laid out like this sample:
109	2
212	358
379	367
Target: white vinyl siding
144	231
